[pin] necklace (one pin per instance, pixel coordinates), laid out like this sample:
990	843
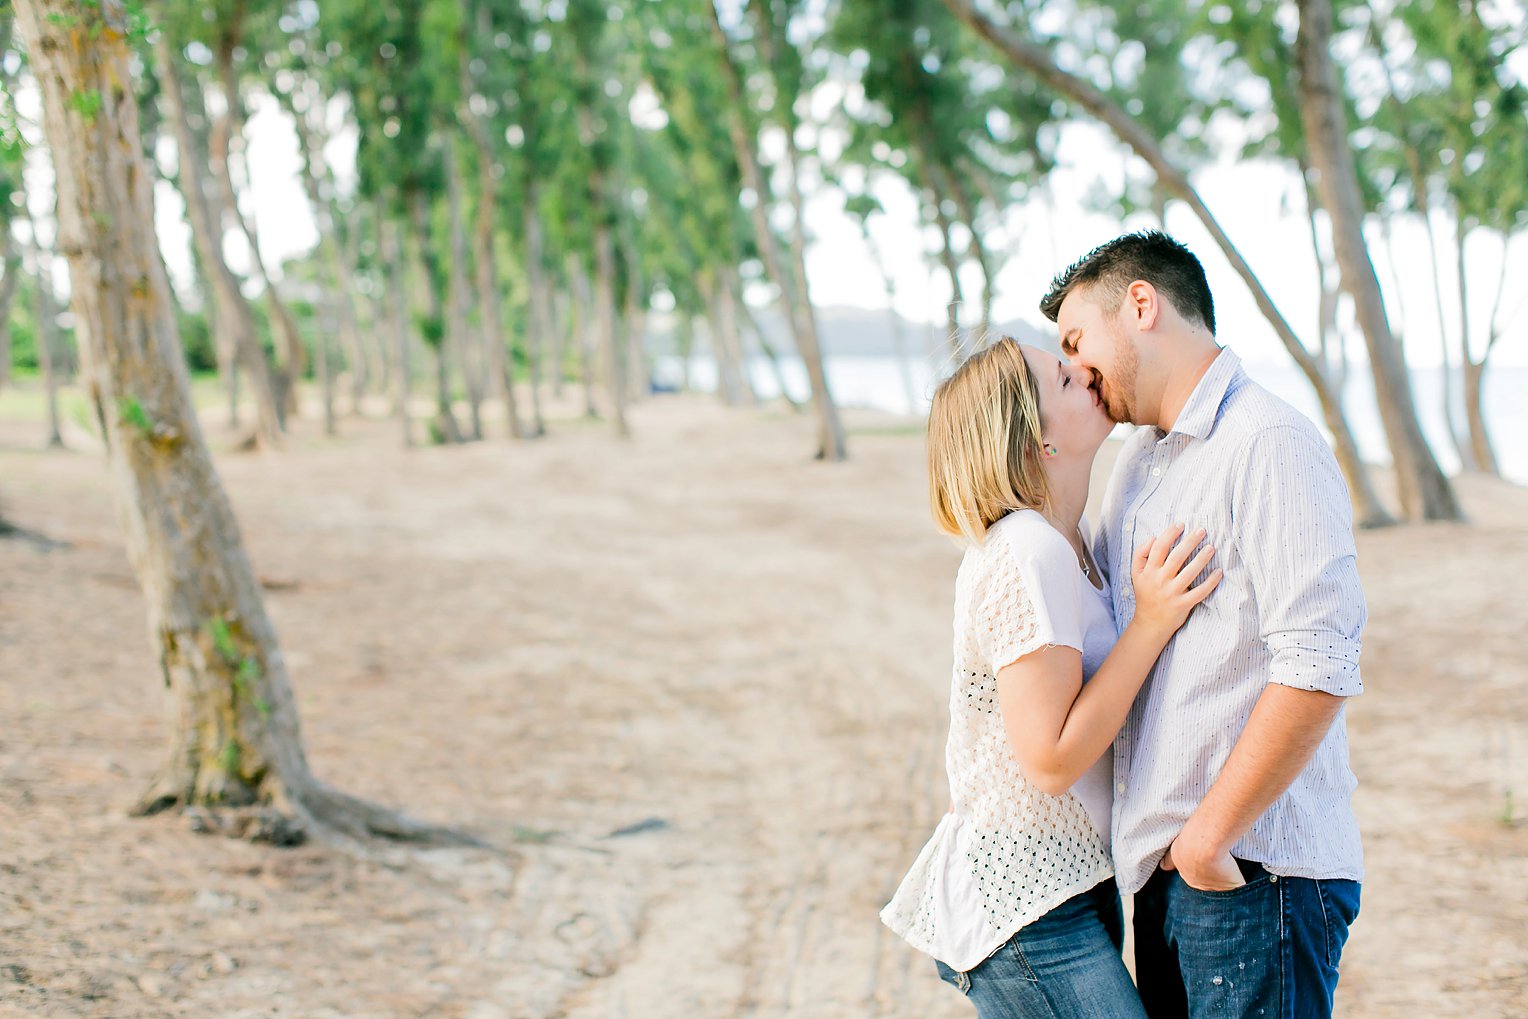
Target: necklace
1082	555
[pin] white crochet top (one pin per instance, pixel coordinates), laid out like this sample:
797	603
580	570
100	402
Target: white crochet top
1007	853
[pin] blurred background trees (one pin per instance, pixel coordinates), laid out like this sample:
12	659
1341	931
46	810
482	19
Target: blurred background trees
516	203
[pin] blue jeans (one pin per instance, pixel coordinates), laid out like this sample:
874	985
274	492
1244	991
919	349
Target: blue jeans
1065	965
1269	948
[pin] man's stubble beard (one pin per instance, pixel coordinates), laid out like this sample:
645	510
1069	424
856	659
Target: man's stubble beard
1118	393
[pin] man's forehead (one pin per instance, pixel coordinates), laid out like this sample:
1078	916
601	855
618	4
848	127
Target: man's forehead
1075	310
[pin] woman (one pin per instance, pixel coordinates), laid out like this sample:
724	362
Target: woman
1014	895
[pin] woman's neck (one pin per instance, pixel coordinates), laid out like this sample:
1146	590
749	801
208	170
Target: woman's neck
1068	497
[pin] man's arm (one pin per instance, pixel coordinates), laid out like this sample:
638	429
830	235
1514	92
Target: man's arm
1285	728
1293	523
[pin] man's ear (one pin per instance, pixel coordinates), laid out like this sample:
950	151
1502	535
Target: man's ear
1143	304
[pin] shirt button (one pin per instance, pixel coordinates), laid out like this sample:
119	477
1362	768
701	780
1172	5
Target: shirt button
1119	787
1156	472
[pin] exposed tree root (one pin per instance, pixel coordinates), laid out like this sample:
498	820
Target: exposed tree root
286	821
41	542
359	819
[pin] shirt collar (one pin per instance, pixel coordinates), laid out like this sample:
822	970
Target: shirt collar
1198	416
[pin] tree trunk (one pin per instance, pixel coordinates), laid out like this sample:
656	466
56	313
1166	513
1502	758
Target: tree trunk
1326	313
1368	509
634	317
539	325
1450	416
1424	489
446	428
48	346
978	248
1482	451
225	132
324	369
765	347
583	330
470	352
236	740
8	287
398	316
947	259
232	315
499	364
898	329
684	342
733	384
831	443
340	266
614	364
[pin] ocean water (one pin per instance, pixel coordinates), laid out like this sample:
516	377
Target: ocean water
883	383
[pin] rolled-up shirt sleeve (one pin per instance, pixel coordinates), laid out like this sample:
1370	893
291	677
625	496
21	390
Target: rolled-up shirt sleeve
1294	525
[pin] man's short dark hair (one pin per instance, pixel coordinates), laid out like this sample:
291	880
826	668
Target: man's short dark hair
1149	255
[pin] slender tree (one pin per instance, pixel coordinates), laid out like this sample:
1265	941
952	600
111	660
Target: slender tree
233	315
235	741
1424	490
1035	59
791	278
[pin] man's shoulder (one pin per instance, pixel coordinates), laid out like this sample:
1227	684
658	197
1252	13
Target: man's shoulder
1251	411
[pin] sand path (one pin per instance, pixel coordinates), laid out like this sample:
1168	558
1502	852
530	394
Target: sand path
700	635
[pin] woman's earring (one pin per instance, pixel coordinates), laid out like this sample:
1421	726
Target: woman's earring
1050	451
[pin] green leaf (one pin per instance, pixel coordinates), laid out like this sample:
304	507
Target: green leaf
222	639
131	413
85	102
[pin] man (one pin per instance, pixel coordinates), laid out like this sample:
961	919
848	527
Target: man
1232	825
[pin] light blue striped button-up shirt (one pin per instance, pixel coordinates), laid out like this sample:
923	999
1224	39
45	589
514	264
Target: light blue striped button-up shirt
1259	478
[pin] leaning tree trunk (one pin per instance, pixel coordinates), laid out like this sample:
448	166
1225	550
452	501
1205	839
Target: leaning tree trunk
236	741
341	267
232	314
1368	508
1482	450
831	442
765	347
1424	489
293	356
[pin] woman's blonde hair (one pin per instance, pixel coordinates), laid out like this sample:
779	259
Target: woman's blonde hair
985	453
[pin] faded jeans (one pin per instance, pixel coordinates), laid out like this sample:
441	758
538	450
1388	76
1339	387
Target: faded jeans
1267	949
1065	965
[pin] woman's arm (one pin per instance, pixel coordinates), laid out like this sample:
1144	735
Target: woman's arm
1057	726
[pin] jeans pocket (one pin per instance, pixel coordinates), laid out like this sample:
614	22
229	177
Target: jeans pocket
1021	967
1230	893
954	977
1339	908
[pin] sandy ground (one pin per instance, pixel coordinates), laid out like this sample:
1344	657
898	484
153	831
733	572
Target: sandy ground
701	634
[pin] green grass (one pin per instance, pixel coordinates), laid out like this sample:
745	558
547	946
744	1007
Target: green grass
25	399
